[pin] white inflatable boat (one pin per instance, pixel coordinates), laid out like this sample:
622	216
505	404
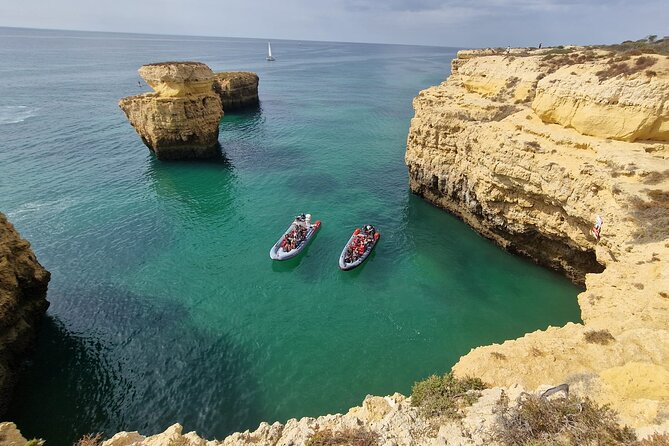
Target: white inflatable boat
295	239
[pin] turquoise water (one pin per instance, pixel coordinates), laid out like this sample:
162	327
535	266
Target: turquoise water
165	306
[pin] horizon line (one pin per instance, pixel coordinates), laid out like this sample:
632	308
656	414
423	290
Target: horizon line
228	37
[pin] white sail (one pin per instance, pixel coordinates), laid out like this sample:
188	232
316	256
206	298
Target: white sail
269	50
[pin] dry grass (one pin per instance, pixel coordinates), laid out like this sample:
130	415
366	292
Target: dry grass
350	437
558	422
652	216
90	440
655	440
619	67
601	337
445	395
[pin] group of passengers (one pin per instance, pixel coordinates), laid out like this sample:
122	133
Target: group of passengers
361	241
295	237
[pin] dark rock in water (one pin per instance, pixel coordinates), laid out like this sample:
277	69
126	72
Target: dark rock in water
23	287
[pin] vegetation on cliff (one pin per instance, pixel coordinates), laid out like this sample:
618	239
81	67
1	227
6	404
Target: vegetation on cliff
445	396
562	421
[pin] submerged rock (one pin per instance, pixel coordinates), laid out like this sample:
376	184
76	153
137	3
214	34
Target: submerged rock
237	89
23	286
180	119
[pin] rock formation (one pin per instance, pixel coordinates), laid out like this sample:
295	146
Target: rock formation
391	419
23	285
237	89
180	118
528	148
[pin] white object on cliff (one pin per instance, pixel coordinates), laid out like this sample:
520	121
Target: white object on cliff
269	52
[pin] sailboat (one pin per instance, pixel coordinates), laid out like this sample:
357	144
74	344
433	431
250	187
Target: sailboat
269	52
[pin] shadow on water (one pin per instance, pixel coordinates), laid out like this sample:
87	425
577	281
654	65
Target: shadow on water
130	367
206	190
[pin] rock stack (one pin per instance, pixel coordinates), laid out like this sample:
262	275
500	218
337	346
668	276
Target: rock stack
180	119
237	89
23	285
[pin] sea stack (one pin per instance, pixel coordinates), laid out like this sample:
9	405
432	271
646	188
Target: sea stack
237	89
23	286
180	119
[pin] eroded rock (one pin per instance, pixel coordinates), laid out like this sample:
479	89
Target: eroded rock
237	89
23	287
528	148
180	119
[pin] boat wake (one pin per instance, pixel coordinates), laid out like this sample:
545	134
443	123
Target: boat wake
12	114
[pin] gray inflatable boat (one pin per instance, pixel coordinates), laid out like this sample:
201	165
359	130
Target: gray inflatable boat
358	247
295	239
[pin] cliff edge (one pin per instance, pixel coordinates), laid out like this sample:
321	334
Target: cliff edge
528	147
23	286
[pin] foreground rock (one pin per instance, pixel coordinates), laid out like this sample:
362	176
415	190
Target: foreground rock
237	89
23	286
528	148
180	119
391	419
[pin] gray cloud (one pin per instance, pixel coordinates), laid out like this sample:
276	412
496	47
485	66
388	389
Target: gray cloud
469	23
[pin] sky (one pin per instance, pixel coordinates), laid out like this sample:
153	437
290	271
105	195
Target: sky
461	23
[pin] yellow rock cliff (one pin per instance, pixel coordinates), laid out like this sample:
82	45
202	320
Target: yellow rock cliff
528	147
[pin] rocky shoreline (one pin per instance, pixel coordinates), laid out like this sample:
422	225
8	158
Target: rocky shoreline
528	147
23	286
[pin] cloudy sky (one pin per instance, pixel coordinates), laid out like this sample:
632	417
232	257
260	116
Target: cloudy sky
465	23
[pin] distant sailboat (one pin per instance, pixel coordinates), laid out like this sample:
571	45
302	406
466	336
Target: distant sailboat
269	52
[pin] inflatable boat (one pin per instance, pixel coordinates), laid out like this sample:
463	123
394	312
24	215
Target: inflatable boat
295	239
358	247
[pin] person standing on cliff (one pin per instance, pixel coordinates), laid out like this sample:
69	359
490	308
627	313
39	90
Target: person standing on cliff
597	229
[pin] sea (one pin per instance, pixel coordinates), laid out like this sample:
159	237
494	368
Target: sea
165	305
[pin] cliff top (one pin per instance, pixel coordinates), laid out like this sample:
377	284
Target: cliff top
176	72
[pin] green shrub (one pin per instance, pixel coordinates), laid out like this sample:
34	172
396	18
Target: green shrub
445	395
350	437
34	442
558	422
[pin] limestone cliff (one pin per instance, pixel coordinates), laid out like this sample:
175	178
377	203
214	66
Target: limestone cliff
528	147
180	118
237	89
23	285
